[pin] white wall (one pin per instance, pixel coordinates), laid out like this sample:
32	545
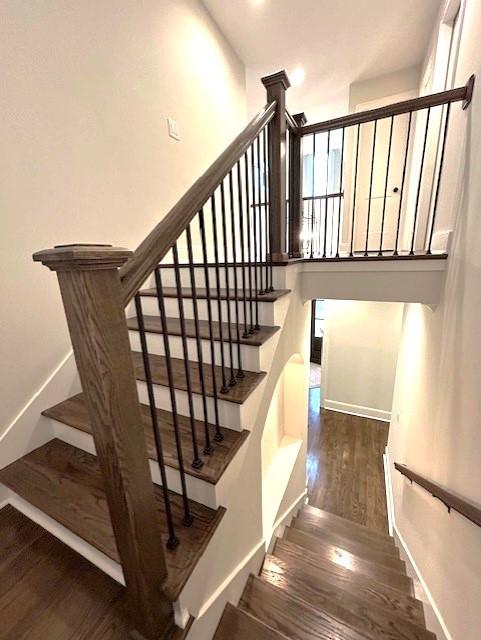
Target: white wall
86	90
359	356
437	401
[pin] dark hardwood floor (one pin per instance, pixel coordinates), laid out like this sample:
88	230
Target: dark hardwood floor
344	465
47	591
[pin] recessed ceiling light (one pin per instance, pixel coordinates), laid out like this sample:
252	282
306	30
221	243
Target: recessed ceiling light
297	76
257	3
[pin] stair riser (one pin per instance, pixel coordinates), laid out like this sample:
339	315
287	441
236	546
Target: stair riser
231	415
168	277
198	489
252	357
266	310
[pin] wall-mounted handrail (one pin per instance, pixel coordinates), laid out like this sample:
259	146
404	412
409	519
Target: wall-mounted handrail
398	108
156	245
449	499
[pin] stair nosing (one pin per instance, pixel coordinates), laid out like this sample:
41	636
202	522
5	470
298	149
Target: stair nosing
258	376
201	294
190	332
189	470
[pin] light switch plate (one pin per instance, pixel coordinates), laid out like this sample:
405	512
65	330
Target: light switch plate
174	131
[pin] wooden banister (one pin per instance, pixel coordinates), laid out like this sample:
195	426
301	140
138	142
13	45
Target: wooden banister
92	297
449	499
155	246
398	108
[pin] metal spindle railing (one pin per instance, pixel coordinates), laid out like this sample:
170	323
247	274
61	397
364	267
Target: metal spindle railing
373	184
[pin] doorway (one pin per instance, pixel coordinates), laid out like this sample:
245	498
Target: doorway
318	318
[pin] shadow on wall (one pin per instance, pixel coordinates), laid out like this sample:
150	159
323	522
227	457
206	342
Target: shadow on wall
284	435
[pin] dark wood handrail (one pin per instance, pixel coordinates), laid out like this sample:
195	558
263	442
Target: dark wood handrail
156	245
398	108
449	499
292	124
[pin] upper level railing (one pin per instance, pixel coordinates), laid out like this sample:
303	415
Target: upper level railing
372	180
451	501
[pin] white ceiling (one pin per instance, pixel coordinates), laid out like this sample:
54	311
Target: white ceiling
337	42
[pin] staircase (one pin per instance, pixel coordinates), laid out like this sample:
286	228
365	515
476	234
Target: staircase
156	472
327	578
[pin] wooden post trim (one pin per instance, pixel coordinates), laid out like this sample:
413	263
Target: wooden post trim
276	85
295	187
92	297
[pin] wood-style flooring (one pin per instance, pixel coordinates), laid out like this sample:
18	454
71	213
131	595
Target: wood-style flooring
49	592
345	473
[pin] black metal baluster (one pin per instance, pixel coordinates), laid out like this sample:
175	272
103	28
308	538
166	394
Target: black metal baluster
225	386
351	253
232	380
370	187
173	541
242	241
208	449
259	212
341	185
218	434
249	246
327	191
406	153
188	518
240	372
255	243
418	195
266	211
386	183
440	170
313	209
197	463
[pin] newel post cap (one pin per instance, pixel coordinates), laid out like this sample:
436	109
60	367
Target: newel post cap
300	119
82	257
280	78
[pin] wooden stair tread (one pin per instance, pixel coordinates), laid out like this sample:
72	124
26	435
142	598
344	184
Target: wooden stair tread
357	531
315	541
47	590
201	292
313	526
66	484
330	550
237	394
308	584
237	624
154	325
73	412
360	585
352	562
291	616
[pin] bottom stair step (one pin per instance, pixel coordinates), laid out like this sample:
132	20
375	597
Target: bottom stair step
236	624
66	484
290	616
309	585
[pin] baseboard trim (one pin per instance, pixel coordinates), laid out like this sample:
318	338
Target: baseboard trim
434	618
18	417
357	410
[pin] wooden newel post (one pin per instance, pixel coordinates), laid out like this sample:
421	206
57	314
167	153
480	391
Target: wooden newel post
276	86
92	297
295	188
